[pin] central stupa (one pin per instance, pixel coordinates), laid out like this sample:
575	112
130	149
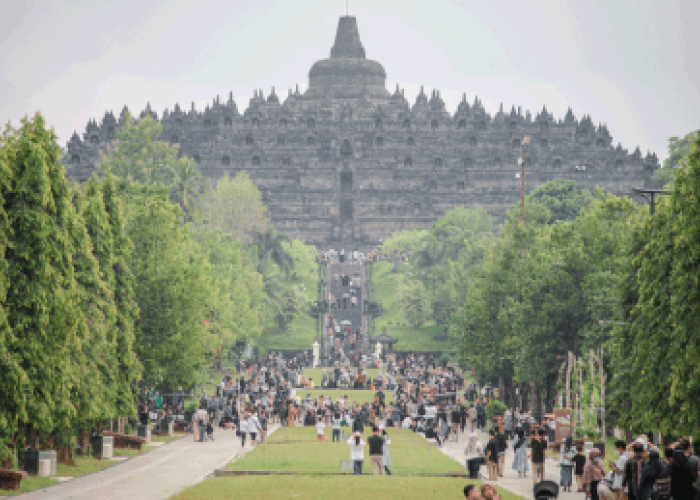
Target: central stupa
347	73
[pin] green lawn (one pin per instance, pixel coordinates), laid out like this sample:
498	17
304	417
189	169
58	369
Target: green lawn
83	465
32	483
409	452
317	373
359	396
386	285
331	487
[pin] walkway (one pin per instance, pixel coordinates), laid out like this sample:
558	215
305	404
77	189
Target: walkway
510	481
158	474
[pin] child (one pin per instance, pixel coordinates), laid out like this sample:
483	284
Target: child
320	434
579	462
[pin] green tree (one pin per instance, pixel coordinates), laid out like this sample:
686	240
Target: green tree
271	248
188	186
129	368
561	196
235	207
415	303
13	378
171	288
40	300
678	153
137	154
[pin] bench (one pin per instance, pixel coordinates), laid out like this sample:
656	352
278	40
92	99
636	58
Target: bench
181	426
10	479
125	440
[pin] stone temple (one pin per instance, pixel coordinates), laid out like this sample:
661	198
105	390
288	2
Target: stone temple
348	162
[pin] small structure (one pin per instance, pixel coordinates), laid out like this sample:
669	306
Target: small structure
385	341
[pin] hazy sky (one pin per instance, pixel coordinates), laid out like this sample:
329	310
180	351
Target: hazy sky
627	63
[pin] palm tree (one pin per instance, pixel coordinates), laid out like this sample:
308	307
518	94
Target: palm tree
270	246
187	183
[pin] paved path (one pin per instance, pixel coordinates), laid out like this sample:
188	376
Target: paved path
511	481
158	474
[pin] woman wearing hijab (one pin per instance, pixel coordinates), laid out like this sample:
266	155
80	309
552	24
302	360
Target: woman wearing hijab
520	461
475	453
593	473
567	463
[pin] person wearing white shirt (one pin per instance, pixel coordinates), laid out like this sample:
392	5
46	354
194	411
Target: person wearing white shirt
474	452
243	429
253	427
336	427
618	468
357	455
320	434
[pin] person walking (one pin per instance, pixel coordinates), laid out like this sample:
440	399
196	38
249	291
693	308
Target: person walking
593	473
567	463
376	451
492	456
202	421
336	427
538	454
243	428
386	461
320	430
357	446
253	427
520	461
474	452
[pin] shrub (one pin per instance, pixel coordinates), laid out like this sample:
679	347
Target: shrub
494	408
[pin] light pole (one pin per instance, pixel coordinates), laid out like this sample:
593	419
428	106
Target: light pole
521	162
652	193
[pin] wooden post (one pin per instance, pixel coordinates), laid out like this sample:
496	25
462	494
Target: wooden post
602	392
569	363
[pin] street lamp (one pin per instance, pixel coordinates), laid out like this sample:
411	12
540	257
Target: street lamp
652	193
521	162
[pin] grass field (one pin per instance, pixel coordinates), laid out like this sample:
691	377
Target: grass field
317	373
409	453
359	396
386	285
32	483
336	488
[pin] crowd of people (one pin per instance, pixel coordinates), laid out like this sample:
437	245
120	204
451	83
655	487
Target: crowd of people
435	401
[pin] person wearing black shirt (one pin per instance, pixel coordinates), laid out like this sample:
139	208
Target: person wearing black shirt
538	453
502	439
376	451
492	456
456	419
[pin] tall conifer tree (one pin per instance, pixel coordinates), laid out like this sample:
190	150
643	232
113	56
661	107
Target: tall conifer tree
41	298
129	367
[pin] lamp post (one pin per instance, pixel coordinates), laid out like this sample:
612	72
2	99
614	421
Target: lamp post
521	162
652	193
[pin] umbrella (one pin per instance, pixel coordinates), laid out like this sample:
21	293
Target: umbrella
345	322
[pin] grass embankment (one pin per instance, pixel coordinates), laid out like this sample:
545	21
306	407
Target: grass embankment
386	286
300	333
409	453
